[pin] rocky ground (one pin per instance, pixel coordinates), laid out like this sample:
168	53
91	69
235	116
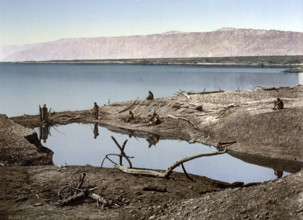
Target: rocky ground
262	136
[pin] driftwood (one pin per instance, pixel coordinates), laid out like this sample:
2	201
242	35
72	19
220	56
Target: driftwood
63	119
186	95
74	191
226	109
178	93
185	119
169	169
98	198
204	92
131	105
266	89
183	168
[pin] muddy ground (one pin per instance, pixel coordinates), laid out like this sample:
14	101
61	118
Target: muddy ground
273	138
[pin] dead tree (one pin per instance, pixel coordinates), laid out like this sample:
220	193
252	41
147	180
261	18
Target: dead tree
75	191
169	169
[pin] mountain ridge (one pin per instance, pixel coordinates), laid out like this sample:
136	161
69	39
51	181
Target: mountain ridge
224	42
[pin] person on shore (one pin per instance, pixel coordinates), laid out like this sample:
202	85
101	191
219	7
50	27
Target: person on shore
130	116
43	113
279	104
150	96
155	119
96	110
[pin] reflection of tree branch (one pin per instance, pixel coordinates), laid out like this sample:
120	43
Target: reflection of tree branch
169	169
107	157
121	155
122	151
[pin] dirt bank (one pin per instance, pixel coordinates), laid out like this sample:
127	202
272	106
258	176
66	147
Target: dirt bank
32	193
246	117
20	145
243	116
279	199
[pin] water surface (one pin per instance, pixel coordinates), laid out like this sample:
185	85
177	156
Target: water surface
23	86
79	144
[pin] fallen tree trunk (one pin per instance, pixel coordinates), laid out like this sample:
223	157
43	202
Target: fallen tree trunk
169	169
78	192
98	198
204	92
72	198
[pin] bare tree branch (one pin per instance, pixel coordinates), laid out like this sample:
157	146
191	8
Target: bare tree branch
169	169
125	109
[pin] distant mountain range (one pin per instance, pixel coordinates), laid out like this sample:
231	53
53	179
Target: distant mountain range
224	42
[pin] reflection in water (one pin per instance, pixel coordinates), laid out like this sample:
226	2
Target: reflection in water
43	132
152	139
279	173
278	165
73	145
96	130
121	155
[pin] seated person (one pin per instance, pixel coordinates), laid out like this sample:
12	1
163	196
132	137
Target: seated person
150	96
155	119
279	104
130	116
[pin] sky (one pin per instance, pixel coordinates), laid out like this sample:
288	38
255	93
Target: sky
31	21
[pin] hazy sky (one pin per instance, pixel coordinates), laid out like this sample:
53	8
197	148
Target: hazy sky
28	21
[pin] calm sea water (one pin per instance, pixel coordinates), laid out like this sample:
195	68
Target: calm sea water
77	86
76	144
23	87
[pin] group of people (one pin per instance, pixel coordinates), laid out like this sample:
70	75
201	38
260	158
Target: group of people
154	120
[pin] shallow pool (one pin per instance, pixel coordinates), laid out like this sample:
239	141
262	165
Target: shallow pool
88	144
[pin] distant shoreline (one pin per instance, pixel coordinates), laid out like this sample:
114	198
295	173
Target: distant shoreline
247	61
